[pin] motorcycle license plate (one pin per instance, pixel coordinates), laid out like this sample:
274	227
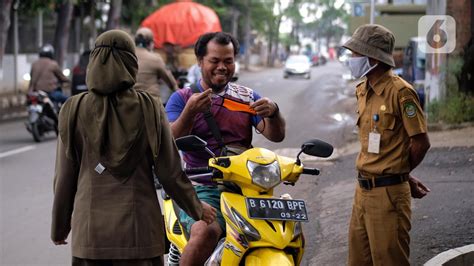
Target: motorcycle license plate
276	209
35	108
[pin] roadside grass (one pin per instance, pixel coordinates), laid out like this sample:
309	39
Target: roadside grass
453	110
456	107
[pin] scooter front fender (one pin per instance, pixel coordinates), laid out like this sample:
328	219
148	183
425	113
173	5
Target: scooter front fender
268	256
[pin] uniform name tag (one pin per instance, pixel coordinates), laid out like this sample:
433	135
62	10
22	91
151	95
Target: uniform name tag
374	142
99	168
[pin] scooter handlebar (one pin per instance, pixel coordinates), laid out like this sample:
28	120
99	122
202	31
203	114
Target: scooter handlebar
310	171
197	170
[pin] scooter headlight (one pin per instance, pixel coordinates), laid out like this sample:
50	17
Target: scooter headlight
265	176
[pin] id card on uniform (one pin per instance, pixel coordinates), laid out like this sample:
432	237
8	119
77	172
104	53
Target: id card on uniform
374	142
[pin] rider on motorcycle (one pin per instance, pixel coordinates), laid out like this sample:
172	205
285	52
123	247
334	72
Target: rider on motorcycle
46	75
151	67
216	56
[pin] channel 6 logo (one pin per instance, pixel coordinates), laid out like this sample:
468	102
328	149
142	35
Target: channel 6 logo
439	32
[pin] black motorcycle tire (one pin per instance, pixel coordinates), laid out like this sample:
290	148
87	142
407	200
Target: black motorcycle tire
36	131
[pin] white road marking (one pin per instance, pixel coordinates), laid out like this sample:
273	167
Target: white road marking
16	151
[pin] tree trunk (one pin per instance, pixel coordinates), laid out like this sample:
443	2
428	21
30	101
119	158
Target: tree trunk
235	22
270	48
5	7
93	28
275	42
113	20
61	35
247	36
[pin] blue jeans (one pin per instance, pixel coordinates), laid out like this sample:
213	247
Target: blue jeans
57	96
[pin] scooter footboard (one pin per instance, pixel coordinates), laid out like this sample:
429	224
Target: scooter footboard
268	256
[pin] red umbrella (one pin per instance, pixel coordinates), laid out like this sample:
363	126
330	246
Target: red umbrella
181	23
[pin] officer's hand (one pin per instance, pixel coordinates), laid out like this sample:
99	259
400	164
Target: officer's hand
418	189
264	107
199	102
208	213
60	242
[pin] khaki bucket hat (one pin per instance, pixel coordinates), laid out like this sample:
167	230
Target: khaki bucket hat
374	41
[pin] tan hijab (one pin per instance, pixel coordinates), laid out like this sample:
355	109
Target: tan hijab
114	116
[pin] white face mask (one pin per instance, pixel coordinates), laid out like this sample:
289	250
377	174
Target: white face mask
359	66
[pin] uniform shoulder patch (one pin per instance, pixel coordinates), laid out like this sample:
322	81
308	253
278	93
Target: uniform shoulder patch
409	109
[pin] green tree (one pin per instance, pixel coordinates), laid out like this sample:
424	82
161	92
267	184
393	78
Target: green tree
331	24
5	7
63	23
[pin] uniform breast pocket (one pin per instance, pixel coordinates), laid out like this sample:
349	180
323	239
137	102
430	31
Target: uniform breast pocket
388	121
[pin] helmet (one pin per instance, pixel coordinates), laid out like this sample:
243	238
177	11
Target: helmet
47	51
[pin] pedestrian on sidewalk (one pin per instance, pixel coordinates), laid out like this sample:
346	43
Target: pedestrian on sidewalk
109	139
394	140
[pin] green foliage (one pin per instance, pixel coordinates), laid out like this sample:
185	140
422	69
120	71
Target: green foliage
456	107
326	27
31	7
134	12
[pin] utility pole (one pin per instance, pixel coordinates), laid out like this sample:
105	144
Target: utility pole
15	46
40	28
235	21
372	11
247	36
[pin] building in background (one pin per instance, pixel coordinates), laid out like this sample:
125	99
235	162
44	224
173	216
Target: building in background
437	65
401	17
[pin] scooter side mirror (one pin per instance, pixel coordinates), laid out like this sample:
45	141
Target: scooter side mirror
191	143
316	147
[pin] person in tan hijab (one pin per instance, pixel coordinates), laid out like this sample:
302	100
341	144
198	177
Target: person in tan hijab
109	139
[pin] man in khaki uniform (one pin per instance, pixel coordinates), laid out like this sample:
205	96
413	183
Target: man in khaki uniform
109	139
394	140
151	67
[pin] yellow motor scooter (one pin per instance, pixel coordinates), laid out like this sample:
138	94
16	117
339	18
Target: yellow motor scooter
260	229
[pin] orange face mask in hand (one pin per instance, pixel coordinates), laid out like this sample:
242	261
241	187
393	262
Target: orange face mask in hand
239	107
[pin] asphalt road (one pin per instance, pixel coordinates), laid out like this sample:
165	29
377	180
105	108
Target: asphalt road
443	220
322	107
27	168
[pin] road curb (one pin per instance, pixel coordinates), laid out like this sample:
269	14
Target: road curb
462	256
433	127
12	106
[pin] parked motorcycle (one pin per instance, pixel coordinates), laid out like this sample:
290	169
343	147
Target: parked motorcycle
42	115
260	229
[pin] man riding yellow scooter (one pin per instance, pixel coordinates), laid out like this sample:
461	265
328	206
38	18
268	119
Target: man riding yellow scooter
260	229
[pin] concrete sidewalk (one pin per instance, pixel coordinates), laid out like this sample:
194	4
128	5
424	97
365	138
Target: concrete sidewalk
12	105
334	193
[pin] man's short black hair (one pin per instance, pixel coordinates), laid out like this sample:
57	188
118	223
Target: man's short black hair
224	38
